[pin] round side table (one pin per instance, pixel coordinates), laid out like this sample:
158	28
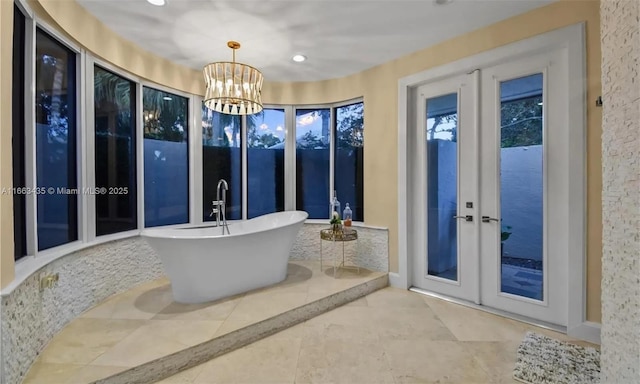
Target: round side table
344	235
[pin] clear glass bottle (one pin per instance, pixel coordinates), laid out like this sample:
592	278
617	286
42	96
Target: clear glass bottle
346	216
334	205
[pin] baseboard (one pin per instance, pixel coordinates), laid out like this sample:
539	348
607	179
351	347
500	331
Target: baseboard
395	281
587	331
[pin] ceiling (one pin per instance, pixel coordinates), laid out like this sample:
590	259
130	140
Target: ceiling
339	37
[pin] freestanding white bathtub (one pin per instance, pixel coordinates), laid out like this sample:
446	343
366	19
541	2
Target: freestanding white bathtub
204	265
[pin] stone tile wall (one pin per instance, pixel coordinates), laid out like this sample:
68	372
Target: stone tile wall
370	251
30	317
620	334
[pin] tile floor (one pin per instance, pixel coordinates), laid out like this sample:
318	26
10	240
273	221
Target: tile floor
390	336
144	324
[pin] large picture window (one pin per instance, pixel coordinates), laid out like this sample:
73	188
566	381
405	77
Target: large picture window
55	104
115	152
18	139
348	159
265	162
166	160
221	159
312	161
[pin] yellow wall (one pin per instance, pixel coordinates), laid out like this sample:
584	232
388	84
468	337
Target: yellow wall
6	175
378	86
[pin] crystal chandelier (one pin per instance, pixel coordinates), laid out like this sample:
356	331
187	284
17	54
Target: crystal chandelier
233	88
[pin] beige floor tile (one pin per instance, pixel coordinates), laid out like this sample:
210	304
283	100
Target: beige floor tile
218	310
345	315
395	298
361	302
47	373
342	354
409	323
91	373
497	358
469	324
157	339
271	360
134	304
85	339
255	308
428	361
184	377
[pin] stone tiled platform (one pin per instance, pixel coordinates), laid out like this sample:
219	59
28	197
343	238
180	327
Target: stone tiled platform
142	335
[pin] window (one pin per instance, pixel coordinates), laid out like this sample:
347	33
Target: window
18	125
55	104
312	162
115	153
221	159
348	160
166	160
265	162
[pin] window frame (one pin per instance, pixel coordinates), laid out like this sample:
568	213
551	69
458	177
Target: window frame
85	147
332	144
90	149
32	24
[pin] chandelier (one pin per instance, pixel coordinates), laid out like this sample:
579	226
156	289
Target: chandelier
233	88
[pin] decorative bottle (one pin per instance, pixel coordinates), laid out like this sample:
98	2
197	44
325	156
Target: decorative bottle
335	204
346	216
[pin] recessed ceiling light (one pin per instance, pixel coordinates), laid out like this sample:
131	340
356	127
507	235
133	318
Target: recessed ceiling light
299	58
442	2
158	3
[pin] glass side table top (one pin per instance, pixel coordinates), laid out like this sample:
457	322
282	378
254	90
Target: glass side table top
344	234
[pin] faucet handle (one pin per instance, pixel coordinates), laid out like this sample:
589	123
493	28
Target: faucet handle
216	203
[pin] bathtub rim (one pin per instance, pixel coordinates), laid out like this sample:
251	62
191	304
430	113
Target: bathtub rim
183	233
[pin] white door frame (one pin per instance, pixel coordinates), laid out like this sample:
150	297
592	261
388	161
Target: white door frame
571	39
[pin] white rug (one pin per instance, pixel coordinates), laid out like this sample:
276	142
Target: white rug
543	360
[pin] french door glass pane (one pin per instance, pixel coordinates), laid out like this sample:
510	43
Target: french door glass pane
312	162
442	186
221	159
265	162
521	186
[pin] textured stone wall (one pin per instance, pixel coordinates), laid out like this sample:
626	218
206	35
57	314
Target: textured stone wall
30	318
620	22
371	251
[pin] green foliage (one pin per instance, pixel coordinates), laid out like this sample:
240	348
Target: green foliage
164	119
254	138
505	233
437	126
311	141
521	122
350	126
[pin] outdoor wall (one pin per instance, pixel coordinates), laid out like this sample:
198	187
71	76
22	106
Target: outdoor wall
521	192
378	86
620	335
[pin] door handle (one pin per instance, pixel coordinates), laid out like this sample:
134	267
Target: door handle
466	218
487	219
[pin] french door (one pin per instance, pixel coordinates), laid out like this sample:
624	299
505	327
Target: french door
493	169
